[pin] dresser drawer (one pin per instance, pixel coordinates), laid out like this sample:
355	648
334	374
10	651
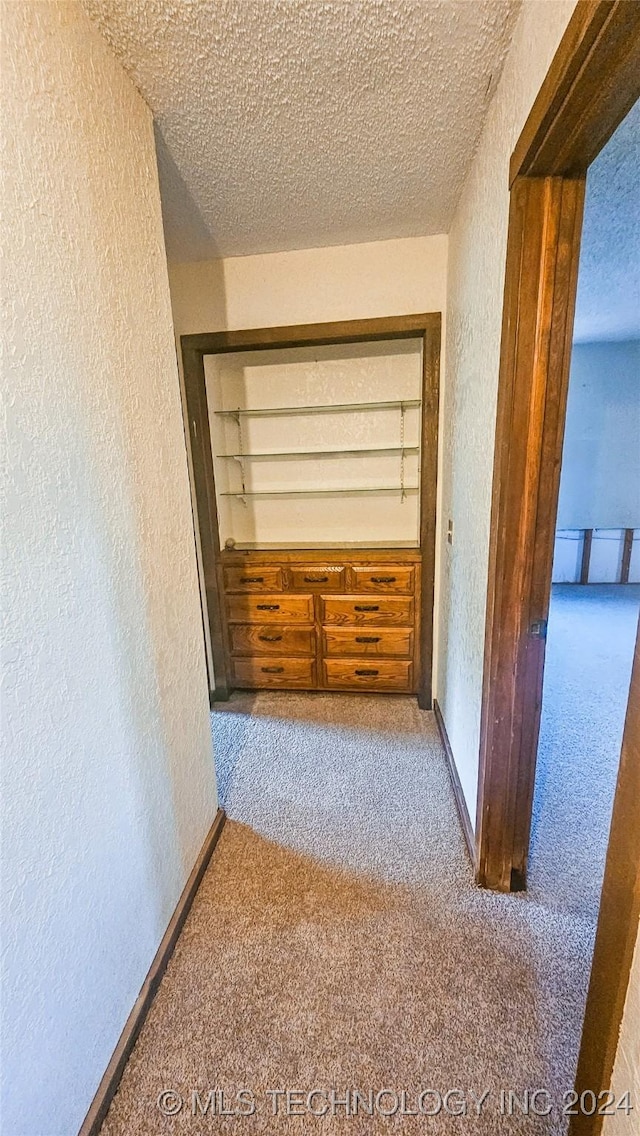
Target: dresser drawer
320	578
253	579
270	609
369	641
370	674
275	671
258	639
381	610
388	578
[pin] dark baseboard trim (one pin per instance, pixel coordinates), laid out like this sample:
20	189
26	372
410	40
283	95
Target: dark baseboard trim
461	804
107	1088
218	696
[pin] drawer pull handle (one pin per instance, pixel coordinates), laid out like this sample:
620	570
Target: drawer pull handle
367	607
269	638
268	607
272	670
367	638
383	579
367	672
252	579
316	579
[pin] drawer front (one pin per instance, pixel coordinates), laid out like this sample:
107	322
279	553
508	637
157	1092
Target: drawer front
275	671
388	578
369	674
369	641
253	579
270	609
258	639
381	610
316	578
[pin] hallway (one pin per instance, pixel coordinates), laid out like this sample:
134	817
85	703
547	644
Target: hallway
338	940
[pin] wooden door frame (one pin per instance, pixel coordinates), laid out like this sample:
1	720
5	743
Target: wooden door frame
593	82
426	326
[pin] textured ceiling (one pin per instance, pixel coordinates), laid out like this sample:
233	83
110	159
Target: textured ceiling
608	304
298	123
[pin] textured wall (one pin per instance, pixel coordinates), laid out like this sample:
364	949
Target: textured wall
380	278
626	1071
109	786
600	482
477	249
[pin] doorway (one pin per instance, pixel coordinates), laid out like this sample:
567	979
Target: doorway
592	84
595	583
286	547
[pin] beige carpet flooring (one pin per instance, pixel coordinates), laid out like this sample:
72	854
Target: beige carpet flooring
338	943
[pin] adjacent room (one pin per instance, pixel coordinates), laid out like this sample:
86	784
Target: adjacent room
595	598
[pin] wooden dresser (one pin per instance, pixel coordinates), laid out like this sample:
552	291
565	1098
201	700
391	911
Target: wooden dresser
322	620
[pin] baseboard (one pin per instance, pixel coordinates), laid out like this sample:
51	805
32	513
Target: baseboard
107	1088
461	804
218	696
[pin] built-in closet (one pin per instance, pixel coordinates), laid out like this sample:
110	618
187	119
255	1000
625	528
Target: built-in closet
314	461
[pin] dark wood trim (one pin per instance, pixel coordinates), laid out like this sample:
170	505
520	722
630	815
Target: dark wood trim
199	440
428	499
426	325
618	922
627	549
542	265
587	541
311	334
216	695
592	83
588	90
108	1086
461	804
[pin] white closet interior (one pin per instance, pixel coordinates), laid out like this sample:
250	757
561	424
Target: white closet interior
317	446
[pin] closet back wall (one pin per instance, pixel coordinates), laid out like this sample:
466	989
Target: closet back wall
382	278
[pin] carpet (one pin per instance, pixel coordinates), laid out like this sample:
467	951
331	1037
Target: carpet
338	944
591	637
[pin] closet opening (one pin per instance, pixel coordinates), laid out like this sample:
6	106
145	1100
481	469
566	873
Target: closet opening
314	456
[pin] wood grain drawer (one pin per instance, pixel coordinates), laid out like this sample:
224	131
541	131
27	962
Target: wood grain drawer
253	579
270	609
276	671
386	578
378	674
369	641
258	639
383	610
317	578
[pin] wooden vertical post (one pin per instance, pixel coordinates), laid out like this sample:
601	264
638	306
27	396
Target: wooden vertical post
626	556
587	541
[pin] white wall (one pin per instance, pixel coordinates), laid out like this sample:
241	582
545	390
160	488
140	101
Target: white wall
109	786
382	278
626	1070
477	251
600	481
315	376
